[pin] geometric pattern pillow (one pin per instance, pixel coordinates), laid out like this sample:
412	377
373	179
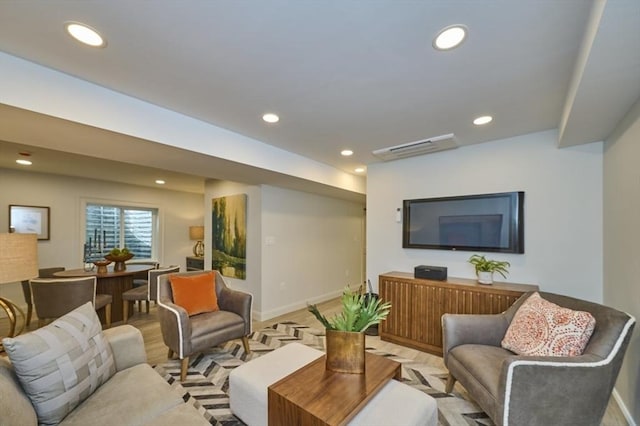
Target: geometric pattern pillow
61	364
542	328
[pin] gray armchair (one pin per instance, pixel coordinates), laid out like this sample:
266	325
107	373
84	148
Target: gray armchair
186	336
526	390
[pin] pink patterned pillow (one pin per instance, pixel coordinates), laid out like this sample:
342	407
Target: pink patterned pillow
542	328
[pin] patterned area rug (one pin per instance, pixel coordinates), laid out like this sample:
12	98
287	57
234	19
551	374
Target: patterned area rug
207	380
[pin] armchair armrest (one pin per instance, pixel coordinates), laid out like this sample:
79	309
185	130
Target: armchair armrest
575	386
127	345
237	302
175	326
459	329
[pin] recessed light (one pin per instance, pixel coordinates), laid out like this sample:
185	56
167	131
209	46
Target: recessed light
485	119
346	152
450	37
270	118
24	162
160	182
85	34
359	170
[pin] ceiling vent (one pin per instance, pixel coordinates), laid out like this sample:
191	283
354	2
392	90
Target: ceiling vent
426	146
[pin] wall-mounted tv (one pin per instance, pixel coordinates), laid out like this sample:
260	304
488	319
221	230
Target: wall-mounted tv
486	222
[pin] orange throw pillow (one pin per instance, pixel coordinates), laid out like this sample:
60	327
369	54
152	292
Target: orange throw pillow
195	293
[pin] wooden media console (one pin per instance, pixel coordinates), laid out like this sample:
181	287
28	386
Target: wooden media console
417	306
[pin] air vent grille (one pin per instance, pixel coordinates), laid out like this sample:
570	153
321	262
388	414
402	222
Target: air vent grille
426	146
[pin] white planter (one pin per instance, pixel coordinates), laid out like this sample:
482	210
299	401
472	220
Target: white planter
485	277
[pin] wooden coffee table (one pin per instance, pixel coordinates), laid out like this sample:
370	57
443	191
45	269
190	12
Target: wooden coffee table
314	396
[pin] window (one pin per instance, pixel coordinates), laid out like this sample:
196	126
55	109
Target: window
117	226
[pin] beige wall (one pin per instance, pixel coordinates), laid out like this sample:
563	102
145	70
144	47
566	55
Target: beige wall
622	243
65	195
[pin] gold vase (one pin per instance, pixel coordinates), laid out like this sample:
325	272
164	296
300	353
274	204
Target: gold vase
345	351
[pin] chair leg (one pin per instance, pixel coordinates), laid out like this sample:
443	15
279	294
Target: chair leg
184	365
146	303
29	313
170	354
125	310
107	315
245	343
450	382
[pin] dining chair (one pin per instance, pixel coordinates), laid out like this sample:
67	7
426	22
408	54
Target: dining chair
140	278
146	293
54	297
26	289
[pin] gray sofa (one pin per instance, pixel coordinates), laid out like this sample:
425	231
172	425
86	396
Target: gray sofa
536	390
134	395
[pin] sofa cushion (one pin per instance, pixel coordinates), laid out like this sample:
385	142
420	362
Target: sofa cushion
15	406
542	328
62	364
135	396
195	293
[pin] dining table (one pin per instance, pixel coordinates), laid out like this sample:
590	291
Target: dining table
111	282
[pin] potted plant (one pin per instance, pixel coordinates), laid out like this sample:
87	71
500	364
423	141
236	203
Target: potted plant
486	267
345	331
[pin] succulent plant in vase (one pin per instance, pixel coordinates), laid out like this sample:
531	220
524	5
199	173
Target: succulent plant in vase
345	331
486	267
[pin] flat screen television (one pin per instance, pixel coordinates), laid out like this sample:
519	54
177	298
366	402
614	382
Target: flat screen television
485	222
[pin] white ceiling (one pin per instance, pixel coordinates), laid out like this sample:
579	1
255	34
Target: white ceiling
358	74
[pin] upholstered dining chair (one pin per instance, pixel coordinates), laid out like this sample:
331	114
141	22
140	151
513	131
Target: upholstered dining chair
140	278
536	390
26	289
147	292
187	335
52	298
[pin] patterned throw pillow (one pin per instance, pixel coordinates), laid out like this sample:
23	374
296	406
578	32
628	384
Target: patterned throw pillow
542	328
61	364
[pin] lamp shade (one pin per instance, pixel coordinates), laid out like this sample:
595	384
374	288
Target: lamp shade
18	257
196	233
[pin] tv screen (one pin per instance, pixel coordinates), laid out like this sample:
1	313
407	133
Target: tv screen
486	222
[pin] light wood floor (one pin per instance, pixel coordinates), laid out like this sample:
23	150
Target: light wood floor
157	351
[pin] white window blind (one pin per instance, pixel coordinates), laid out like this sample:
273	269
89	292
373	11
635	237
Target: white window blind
117	226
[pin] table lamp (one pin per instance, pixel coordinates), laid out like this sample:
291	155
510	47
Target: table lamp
196	233
18	262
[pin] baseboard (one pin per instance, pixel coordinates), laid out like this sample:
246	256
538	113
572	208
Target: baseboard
623	408
265	316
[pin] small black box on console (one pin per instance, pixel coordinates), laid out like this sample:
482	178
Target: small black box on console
438	273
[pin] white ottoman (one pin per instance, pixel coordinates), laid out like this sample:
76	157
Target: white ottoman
395	404
399	405
248	383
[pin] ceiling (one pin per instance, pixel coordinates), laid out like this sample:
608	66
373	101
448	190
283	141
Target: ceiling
357	74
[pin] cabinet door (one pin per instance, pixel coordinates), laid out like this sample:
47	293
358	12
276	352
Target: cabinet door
399	293
428	307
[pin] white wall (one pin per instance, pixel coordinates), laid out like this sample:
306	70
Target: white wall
311	249
563	209
621	244
64	195
252	283
301	247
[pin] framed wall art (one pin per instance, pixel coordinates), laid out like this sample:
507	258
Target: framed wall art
29	220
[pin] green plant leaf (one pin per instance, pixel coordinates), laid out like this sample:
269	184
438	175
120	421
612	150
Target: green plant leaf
359	312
